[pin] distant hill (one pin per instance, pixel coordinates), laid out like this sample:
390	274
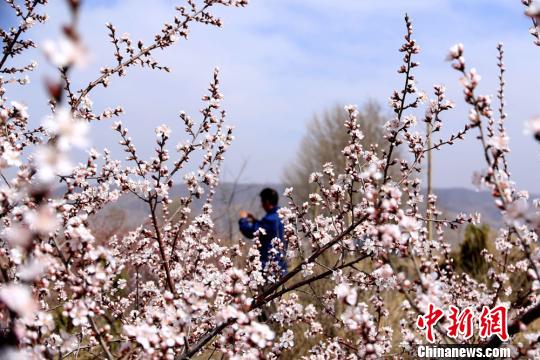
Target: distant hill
230	199
456	200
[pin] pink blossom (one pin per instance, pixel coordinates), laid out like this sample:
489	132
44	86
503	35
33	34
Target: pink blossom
18	298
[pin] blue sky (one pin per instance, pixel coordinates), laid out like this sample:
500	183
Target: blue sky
282	61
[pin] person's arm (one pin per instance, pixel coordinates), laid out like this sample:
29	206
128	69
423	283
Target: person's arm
248	226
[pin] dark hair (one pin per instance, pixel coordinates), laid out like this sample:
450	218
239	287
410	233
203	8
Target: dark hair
269	195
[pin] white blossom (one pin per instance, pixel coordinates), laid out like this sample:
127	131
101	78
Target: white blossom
70	131
163	130
65	52
10	156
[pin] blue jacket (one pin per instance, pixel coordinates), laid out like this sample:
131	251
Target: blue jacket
273	227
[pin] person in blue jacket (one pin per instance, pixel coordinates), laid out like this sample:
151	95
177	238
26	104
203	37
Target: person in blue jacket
272	226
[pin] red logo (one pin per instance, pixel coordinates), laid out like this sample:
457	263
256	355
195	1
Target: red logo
429	320
461	323
491	322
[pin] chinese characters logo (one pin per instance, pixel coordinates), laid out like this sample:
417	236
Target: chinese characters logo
490	322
